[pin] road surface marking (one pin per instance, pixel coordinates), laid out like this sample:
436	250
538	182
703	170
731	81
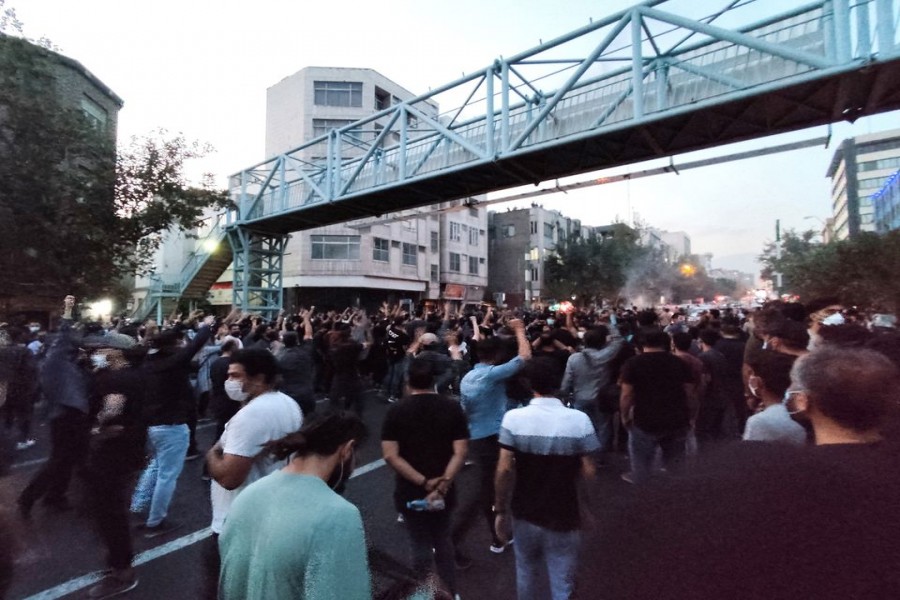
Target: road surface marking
79	583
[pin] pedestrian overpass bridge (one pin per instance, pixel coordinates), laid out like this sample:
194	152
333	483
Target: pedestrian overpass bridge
651	81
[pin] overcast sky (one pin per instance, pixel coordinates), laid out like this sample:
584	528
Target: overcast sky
202	67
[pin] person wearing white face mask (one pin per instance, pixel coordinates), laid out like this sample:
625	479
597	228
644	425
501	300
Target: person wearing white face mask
237	460
770	379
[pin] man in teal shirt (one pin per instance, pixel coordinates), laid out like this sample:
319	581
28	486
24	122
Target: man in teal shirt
289	535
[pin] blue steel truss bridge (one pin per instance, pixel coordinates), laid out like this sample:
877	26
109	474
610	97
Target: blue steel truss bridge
661	78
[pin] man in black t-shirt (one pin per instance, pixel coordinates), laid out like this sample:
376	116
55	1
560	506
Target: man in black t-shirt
395	343
654	405
425	439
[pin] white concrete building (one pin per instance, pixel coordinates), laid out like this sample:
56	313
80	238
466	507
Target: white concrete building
437	256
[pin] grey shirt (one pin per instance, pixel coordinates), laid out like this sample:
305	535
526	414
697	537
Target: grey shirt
588	371
774	424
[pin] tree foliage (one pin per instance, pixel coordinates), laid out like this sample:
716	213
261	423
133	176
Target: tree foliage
75	217
860	271
619	267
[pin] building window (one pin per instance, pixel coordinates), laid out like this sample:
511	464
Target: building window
410	254
454	262
473	237
548	231
335	247
473	211
381	250
533	227
323	126
434	241
509	231
382	99
96	115
473	265
534	274
338	93
455	232
434	273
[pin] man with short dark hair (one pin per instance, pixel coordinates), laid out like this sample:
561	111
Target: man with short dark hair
483	398
544	454
654	405
167	404
588	376
713	400
236	460
424	439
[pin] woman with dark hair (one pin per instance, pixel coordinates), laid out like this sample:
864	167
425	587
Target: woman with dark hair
291	535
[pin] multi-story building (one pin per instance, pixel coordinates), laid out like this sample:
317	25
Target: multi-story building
74	87
438	256
520	242
887	205
859	168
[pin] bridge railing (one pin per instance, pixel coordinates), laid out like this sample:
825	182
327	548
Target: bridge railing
638	65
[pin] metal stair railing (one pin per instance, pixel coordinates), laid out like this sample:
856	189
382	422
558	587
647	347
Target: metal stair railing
205	247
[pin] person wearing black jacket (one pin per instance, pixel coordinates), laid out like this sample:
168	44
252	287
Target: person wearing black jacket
167	404
116	455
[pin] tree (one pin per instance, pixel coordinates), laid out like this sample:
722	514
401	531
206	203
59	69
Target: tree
74	216
594	268
860	271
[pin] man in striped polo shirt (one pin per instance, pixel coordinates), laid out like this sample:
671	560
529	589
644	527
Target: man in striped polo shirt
544	452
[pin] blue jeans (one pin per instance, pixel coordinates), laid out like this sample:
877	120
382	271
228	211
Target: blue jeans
642	451
545	558
393	382
602	421
167	445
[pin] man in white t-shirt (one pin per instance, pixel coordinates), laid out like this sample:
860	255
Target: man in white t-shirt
239	457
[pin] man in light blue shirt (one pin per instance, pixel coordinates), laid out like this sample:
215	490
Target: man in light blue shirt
483	397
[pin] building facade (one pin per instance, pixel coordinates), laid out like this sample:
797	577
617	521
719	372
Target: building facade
520	242
887	205
74	87
859	168
432	254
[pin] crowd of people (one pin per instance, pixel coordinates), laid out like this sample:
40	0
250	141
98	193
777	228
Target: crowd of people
536	400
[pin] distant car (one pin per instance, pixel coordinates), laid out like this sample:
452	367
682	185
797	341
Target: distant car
884	321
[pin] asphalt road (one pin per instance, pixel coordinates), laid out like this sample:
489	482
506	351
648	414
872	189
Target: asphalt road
60	557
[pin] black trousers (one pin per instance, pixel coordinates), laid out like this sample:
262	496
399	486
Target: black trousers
69	435
485	452
346	392
113	467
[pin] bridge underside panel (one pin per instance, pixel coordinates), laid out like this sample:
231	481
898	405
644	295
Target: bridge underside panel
817	101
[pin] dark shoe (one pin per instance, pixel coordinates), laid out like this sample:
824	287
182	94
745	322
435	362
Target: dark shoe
162	528
192	454
498	547
113	585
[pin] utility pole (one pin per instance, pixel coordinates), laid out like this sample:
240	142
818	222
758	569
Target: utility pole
778	248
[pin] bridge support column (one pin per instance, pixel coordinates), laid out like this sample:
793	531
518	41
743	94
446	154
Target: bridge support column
257	265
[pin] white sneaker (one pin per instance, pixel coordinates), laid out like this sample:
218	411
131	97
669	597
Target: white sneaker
26	444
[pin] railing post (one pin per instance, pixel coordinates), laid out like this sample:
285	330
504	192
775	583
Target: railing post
662	84
404	139
884	23
489	110
282	189
504	99
842	38
637	64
